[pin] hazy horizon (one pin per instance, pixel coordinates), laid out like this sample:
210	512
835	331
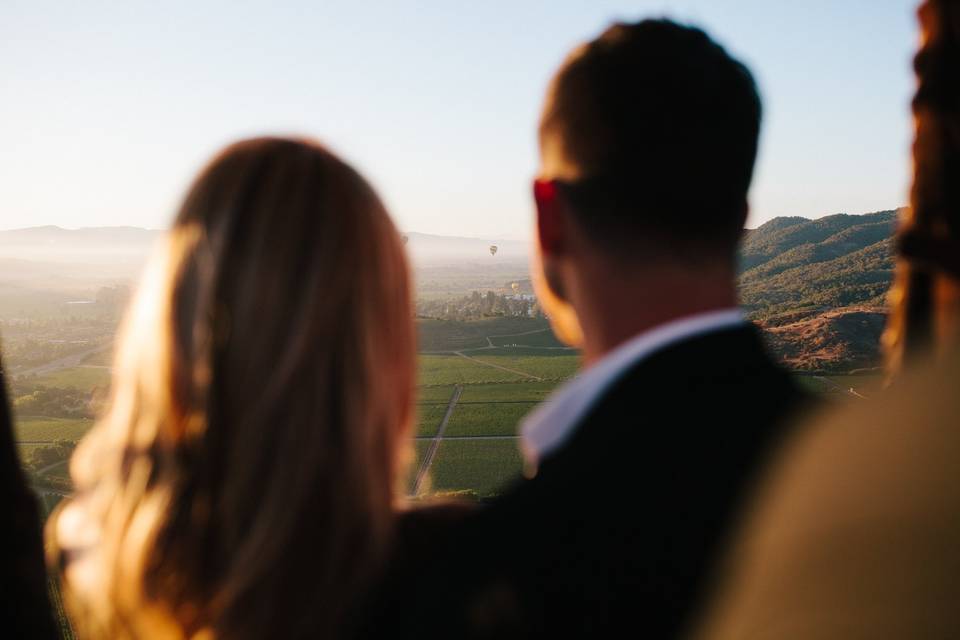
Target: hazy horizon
439	235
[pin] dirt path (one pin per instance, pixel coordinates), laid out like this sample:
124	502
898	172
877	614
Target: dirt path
850	392
66	362
43	470
497	366
435	440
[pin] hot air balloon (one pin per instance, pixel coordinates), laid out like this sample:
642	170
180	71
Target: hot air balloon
516	287
493	249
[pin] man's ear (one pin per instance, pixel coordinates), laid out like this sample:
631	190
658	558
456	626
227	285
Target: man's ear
550	222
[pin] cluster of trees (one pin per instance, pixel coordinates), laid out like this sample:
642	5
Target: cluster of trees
859	278
47	455
55	402
480	305
792	266
778	238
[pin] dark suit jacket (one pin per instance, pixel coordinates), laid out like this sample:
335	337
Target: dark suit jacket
621	526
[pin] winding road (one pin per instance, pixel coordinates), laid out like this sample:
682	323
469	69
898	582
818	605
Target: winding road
72	360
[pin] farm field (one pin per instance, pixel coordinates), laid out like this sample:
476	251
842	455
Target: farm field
439	393
428	419
454	369
101	358
526	391
454	335
48	502
59	472
54	481
492	365
24	450
478	452
518	350
50	429
536	338
550	367
85	378
480	466
487	419
502	377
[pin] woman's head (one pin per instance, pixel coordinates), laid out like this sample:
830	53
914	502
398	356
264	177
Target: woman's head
245	471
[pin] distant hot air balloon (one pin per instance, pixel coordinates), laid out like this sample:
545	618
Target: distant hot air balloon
516	287
405	238
493	249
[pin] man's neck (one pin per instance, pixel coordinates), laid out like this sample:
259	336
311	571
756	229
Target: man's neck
612	309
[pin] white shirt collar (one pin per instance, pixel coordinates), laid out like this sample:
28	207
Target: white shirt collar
554	421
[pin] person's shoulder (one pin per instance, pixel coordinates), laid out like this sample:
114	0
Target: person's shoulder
720	359
742	344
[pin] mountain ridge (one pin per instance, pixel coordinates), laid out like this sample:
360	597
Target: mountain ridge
817	287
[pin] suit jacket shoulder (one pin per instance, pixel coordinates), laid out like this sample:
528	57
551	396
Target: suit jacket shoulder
623	521
421	530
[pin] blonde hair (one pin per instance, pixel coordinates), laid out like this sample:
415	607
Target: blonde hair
242	482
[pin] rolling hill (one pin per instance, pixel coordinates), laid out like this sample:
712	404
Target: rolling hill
818	287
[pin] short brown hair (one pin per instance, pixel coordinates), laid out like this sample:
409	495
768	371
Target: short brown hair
651	131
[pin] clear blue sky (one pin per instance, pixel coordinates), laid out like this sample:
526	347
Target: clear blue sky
108	109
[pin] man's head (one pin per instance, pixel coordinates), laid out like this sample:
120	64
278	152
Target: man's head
648	138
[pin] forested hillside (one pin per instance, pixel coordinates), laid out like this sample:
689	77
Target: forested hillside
819	287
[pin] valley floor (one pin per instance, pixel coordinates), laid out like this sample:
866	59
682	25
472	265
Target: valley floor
475	388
